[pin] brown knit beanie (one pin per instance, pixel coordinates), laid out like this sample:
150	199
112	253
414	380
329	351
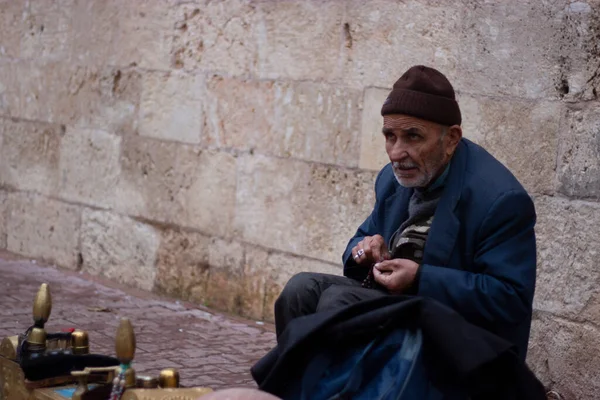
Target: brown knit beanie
424	93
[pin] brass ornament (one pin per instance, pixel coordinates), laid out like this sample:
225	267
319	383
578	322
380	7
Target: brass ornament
13	385
82	384
168	378
80	342
37	337
146	382
42	305
125	341
8	347
130	379
165	394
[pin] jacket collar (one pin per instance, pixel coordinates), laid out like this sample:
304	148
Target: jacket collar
444	230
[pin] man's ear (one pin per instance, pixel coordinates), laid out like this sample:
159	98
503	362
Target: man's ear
454	135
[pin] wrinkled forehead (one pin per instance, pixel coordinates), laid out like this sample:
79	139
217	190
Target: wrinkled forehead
405	122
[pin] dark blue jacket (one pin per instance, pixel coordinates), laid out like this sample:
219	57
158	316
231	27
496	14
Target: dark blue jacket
480	255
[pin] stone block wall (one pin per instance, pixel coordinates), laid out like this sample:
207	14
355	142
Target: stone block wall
211	149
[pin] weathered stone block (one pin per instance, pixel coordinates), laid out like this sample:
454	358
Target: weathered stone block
573	49
372	145
152	174
11	25
177	183
568	277
79	96
579	152
209	200
521	134
483	47
144	34
89	166
182	266
119	248
208	271
256	274
123	33
384	38
47	30
240	113
216	36
29	155
561	354
315	122
286	205
315	55
3	217
171	107
43	228
225	289
498	44
10	90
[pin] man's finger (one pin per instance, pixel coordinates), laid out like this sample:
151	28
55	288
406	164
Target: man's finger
376	250
380	277
386	254
358	252
367	247
384	266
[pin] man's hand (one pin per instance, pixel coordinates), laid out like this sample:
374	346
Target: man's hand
395	275
370	250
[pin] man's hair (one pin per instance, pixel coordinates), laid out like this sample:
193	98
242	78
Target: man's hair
445	130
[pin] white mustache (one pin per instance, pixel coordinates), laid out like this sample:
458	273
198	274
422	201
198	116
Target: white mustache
404	165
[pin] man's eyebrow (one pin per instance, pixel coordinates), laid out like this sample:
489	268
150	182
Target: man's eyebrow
387	131
411	130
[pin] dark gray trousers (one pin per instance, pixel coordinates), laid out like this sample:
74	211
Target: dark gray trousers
310	292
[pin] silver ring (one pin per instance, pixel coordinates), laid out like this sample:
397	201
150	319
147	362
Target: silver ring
356	257
360	252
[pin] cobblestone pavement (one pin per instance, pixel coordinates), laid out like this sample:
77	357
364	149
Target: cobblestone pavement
209	348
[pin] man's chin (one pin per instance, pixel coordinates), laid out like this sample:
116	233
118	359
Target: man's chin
409	182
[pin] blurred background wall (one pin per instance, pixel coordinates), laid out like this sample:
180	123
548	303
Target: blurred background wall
211	149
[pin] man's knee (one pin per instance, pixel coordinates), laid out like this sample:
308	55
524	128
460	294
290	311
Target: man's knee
297	284
332	298
295	289
300	281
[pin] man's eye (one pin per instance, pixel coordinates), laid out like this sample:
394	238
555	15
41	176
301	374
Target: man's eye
390	136
414	136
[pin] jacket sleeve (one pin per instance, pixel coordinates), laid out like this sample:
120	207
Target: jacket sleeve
367	228
502	292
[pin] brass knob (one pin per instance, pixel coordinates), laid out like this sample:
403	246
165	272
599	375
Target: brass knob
125	342
168	378
42	305
37	339
130	380
146	382
80	342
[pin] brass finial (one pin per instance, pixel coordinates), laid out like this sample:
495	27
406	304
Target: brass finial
80	342
125	342
42	305
146	382
82	384
130	378
168	378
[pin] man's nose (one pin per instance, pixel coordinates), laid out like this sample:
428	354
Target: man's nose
398	152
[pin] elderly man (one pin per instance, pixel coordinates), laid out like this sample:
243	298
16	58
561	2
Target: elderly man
450	223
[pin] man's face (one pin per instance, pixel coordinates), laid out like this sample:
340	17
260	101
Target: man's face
418	149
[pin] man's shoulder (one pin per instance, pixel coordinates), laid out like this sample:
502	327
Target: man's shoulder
485	177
